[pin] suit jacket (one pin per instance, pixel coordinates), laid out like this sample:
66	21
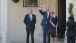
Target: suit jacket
53	29
30	24
71	31
44	13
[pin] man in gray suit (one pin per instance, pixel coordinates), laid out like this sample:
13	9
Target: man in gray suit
45	24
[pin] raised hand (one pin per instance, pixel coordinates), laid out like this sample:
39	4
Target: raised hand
53	15
40	5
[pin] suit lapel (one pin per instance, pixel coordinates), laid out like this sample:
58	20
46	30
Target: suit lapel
28	17
49	14
46	15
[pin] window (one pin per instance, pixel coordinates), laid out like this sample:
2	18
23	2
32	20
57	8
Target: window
30	3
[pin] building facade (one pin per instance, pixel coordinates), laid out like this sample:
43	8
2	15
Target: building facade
17	14
12	14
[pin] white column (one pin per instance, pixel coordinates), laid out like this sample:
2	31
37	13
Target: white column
4	22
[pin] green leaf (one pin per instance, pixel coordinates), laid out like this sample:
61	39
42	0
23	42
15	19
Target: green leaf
70	9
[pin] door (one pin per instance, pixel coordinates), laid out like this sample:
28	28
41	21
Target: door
61	17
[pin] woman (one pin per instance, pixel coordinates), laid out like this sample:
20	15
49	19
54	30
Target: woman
53	27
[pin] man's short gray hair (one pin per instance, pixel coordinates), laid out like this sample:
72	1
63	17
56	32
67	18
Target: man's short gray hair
30	9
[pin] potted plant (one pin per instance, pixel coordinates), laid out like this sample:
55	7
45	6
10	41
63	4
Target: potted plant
70	9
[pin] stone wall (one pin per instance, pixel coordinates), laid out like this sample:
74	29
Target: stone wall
17	13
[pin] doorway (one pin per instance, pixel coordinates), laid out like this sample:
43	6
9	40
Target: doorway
61	18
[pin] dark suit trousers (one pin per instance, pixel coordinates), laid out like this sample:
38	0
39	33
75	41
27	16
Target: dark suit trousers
46	34
70	39
32	35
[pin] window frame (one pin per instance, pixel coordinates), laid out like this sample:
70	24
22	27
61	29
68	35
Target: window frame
31	5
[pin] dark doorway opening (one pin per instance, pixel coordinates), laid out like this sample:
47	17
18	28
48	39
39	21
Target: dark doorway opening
61	18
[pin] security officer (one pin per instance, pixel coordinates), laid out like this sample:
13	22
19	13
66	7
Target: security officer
71	24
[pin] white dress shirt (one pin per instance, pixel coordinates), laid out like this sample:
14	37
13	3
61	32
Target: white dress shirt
47	15
40	8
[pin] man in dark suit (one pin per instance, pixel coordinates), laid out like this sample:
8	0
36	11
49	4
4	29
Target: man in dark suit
45	24
71	24
30	20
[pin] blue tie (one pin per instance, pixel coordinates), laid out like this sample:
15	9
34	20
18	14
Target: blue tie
47	18
30	17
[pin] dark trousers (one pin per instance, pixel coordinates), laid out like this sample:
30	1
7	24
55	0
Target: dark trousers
46	34
70	39
32	36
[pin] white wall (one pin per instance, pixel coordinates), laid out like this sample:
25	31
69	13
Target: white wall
74	9
67	6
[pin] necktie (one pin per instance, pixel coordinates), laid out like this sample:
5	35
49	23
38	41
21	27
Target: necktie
30	17
47	17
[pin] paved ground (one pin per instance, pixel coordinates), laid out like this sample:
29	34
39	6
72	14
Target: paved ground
0	41
36	41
